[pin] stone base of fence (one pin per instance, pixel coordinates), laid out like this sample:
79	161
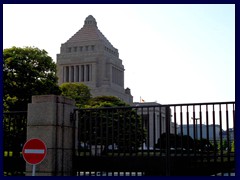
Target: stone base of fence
49	120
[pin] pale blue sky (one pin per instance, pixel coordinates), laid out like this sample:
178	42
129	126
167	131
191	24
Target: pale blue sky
171	53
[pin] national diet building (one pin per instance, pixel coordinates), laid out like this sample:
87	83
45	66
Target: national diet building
88	57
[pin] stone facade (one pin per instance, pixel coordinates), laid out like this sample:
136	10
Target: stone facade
49	120
89	58
151	114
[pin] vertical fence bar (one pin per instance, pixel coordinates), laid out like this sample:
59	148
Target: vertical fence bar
107	130
234	133
79	126
148	132
90	133
142	130
188	143
130	133
227	129
181	125
201	135
207	131
95	131
160	130
100	114
124	132
175	130
85	131
154	131
118	130
228	139
73	120
194	131
136	129
135	134
214	136
229	149
221	132
168	155
113	143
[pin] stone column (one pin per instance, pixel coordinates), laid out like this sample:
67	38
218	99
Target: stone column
85	73
90	72
75	74
49	120
70	73
93	73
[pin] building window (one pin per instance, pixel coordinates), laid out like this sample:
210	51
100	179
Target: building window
86	47
81	48
75	49
88	72
77	74
69	50
92	47
72	73
67	74
82	73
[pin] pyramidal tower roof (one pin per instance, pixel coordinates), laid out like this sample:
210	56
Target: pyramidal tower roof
89	32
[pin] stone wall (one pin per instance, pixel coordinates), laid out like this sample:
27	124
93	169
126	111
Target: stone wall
49	120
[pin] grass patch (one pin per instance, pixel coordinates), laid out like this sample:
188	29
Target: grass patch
8	153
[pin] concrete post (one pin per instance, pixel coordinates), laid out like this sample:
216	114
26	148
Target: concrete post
49	120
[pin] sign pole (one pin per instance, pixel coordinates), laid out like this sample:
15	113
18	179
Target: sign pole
34	170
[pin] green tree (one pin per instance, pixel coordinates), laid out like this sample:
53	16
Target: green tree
77	91
105	101
104	124
222	145
225	144
27	71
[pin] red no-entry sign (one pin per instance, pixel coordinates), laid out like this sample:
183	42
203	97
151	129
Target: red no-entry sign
34	151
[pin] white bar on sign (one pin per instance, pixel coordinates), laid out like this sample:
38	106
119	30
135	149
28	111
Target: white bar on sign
34	151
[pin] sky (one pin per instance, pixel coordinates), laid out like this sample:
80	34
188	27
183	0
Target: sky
171	53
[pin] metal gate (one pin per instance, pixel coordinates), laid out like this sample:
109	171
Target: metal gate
14	137
150	140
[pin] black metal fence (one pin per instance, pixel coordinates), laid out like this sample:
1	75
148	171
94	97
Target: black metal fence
151	139
14	137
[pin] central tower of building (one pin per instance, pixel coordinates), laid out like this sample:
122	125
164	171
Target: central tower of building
88	57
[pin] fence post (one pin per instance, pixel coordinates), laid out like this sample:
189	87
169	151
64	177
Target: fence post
49	120
168	155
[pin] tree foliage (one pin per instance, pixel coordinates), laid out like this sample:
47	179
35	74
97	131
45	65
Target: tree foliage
105	101
77	91
27	71
184	142
104	124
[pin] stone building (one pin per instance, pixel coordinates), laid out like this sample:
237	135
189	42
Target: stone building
154	119
88	57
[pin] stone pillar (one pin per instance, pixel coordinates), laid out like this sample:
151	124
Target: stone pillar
70	73
49	120
94	73
90	73
85	73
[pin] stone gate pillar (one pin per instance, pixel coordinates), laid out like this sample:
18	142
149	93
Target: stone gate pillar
49	120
